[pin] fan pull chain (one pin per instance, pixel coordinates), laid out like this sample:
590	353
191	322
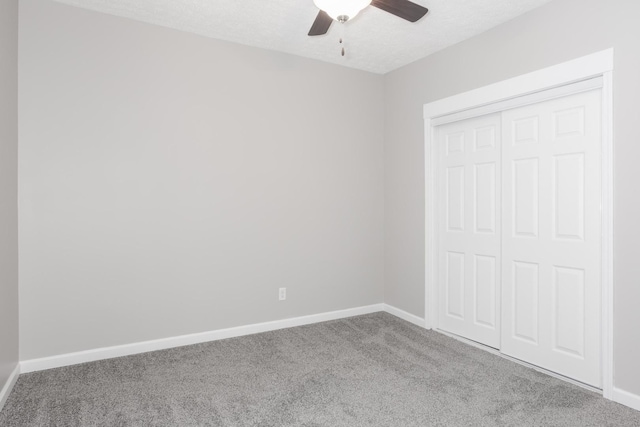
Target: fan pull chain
341	41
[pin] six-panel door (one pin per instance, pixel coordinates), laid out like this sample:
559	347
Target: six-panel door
469	264
551	235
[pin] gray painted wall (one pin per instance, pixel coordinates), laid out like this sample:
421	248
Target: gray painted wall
8	188
559	31
170	184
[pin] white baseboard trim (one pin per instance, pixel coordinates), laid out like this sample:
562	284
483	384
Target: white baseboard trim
626	398
179	341
620	396
411	318
6	390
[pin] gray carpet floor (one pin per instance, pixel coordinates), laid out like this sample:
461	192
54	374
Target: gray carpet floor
373	370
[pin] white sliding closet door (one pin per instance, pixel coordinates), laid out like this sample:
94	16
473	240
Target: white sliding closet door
551	288
469	228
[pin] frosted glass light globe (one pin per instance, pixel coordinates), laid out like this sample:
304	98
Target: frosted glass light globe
336	8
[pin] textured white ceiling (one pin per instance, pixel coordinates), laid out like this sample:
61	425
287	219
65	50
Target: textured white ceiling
376	41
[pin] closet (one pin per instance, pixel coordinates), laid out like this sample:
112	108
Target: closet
518	219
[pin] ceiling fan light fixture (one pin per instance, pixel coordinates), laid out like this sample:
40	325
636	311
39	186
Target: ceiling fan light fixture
338	9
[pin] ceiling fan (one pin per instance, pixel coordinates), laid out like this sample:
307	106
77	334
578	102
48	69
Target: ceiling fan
343	10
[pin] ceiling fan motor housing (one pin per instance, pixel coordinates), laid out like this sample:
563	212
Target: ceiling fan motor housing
342	10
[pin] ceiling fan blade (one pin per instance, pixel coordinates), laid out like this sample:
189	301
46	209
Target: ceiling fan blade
401	8
321	24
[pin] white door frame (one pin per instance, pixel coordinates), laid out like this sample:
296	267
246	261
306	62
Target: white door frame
598	64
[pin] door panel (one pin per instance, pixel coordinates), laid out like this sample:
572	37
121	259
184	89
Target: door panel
455	284
484	198
525	197
455	198
469	231
568	317
525	301
569	191
484	290
551	252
